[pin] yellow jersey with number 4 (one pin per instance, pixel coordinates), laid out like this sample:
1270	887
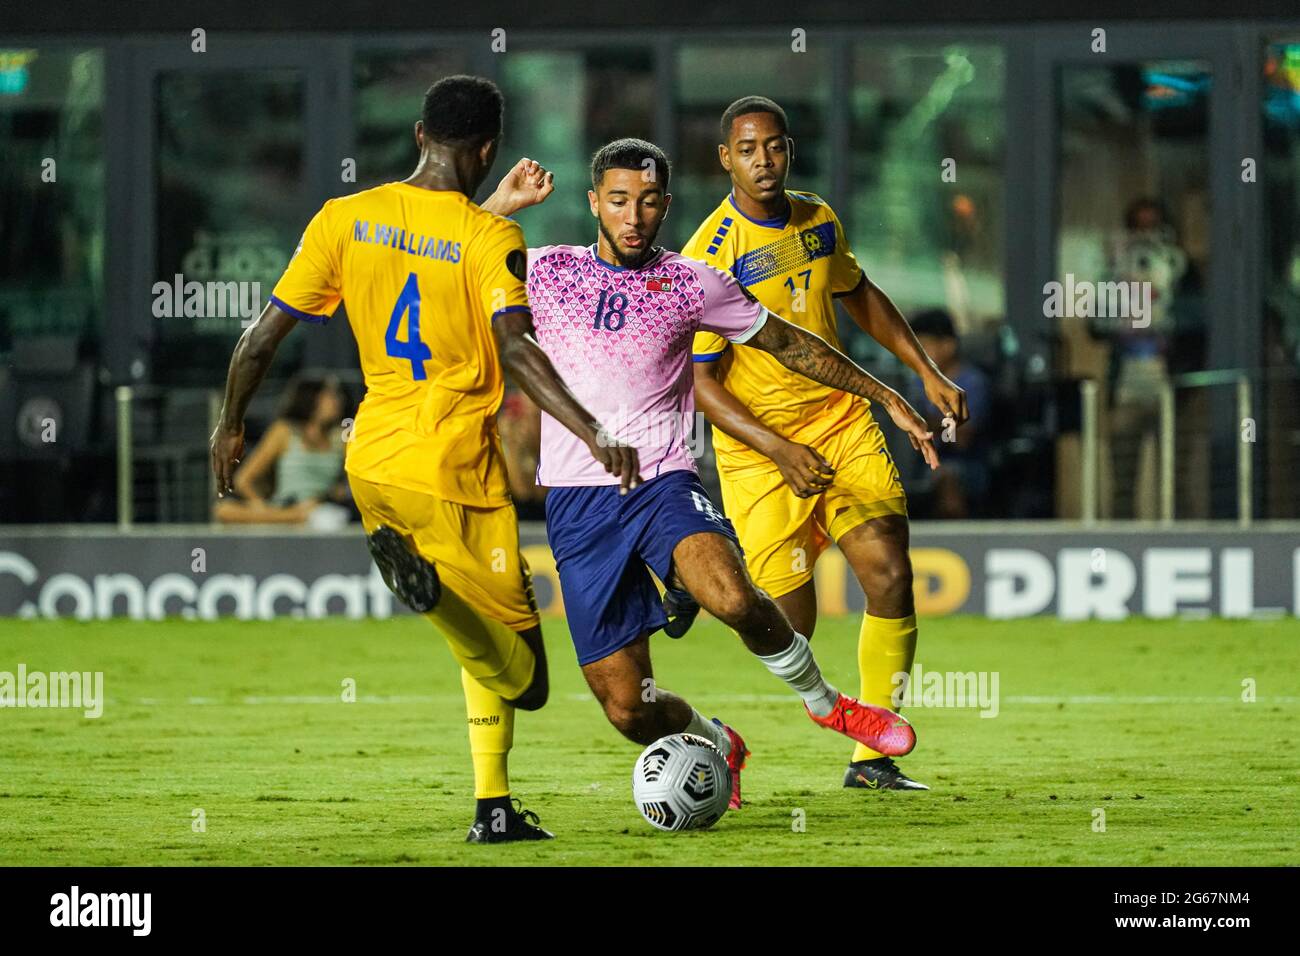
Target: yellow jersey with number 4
794	266
423	273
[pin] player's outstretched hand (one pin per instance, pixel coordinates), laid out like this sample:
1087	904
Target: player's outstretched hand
804	470
227	448
909	420
526	184
619	460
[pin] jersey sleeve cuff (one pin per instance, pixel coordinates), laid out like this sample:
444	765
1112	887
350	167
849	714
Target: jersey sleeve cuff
511	308
707	356
299	314
753	330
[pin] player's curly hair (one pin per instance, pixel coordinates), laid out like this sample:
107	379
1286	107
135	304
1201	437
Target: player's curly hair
629	153
750	104
462	111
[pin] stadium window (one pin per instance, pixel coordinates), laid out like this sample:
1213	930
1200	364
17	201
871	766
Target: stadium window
914	108
388	94
709	79
1280	178
231	198
51	196
563	105
1133	211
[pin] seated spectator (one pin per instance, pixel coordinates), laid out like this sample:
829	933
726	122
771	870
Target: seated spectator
301	458
959	487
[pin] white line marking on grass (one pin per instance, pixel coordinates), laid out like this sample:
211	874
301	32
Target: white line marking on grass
1030	700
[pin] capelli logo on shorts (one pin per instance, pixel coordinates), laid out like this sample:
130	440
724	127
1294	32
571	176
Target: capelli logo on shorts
490	721
74	908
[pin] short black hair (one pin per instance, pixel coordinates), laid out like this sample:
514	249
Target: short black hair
462	111
751	104
629	153
935	322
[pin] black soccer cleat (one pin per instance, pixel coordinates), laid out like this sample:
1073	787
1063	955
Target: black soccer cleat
879	774
413	579
507	826
682	609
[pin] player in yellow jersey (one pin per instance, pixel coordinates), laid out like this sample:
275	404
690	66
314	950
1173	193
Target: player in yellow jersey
434	287
802	464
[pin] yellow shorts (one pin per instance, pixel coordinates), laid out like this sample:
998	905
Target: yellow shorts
783	534
476	550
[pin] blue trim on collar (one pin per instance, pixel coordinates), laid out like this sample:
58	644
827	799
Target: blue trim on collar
613	268
780	222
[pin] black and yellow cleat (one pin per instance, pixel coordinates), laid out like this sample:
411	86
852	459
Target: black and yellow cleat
506	824
682	609
413	579
879	774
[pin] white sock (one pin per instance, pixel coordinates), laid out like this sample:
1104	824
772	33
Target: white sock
701	726
796	666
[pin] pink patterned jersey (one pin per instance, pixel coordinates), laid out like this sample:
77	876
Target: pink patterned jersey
621	340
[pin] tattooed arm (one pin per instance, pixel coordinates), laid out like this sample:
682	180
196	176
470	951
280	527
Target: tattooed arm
815	358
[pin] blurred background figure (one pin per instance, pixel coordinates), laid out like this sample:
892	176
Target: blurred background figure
294	474
1145	350
960	486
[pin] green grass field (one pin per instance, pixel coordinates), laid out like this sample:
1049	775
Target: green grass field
245	721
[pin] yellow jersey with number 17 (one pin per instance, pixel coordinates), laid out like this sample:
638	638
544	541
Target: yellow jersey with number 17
794	266
423	273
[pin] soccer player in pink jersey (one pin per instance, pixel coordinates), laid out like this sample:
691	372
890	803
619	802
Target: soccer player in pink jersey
617	320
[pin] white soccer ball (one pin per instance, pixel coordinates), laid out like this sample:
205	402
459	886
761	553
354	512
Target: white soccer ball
681	782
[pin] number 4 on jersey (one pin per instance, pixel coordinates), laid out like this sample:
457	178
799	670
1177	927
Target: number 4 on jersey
412	348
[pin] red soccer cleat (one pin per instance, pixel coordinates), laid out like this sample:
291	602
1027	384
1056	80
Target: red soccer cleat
735	762
879	728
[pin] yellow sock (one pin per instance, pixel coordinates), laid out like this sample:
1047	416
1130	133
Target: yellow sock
495	656
491	734
885	648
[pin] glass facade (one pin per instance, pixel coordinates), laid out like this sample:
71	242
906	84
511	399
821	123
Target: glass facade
52	295
563	105
911	137
1133	215
230	200
1279	389
388	89
927	144
709	79
51	195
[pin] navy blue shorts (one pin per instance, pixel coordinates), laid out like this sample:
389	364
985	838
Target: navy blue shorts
603	544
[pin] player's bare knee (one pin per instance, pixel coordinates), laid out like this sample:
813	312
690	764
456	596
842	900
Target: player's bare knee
631	717
737	604
890	587
899	578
